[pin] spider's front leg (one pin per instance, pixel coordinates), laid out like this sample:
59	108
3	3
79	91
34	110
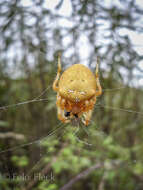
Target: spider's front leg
60	109
87	113
87	116
55	83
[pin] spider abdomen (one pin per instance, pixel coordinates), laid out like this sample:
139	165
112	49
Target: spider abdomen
77	83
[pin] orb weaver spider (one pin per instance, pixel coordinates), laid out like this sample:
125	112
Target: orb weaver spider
77	89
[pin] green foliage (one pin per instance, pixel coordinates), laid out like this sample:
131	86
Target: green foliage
20	161
45	185
4	124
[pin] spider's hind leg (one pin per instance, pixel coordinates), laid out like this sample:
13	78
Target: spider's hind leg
99	89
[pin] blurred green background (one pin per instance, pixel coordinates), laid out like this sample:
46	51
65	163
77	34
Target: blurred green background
38	152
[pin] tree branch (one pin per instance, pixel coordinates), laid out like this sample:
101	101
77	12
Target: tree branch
81	175
15	136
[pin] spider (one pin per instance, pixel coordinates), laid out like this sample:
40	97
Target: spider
77	89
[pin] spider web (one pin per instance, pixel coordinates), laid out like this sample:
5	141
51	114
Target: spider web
98	105
60	129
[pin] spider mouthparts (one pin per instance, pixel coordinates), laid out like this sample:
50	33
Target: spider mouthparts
76	115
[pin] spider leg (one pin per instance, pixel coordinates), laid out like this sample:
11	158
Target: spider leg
63	102
90	104
61	115
60	109
99	91
87	115
55	83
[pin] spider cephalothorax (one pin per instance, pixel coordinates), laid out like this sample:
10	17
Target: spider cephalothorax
77	89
